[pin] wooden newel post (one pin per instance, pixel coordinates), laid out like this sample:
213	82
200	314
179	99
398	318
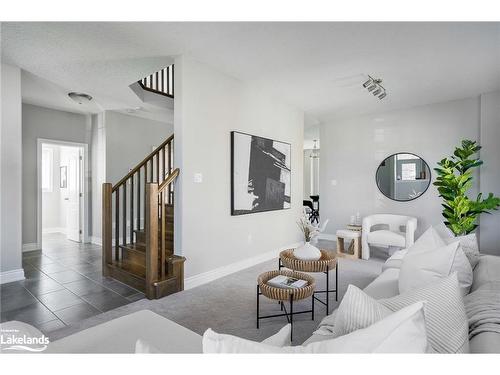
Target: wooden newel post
151	227
107	231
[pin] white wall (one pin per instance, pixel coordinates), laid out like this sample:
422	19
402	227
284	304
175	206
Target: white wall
352	149
98	170
208	106
40	122
119	143
129	139
10	175
490	171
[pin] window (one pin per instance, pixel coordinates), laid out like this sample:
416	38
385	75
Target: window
408	171
47	169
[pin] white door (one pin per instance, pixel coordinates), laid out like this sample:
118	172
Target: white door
72	193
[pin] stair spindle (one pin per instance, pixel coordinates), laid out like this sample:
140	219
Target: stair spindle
138	199
145	183
163	233
117	224
124	234
132	221
158	168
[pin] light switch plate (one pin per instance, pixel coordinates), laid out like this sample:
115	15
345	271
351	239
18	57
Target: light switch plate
334	182
198	178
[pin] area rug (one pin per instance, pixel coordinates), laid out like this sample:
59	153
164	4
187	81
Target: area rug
228	304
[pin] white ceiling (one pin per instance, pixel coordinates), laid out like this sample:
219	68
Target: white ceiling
318	67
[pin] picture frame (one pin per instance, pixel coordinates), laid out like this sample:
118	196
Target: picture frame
260	174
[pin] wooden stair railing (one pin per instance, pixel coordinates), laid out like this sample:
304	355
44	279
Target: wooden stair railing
138	226
160	82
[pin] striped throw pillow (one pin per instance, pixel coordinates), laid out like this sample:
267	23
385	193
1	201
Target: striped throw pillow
445	317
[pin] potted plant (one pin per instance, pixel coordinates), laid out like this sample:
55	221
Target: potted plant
454	181
307	251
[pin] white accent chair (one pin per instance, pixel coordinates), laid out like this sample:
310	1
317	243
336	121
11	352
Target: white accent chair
387	237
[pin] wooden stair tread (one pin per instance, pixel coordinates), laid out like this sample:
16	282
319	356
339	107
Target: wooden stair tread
133	269
135	247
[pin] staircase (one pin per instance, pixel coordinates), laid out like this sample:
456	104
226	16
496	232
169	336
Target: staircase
138	226
160	82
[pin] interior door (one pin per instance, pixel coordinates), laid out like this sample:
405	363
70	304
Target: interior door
72	198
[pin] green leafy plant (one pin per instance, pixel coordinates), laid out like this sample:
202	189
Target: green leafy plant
453	182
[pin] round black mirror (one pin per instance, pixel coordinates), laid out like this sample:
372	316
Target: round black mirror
403	177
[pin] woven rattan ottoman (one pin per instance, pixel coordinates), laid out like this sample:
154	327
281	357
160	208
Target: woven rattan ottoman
325	264
285	295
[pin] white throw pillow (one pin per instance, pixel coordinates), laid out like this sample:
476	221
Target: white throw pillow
429	240
421	267
281	338
357	311
401	332
445	317
144	347
468	243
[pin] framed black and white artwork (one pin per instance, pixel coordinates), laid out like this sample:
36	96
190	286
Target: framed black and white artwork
260	174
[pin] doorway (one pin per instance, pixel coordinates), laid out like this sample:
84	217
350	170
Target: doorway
61	191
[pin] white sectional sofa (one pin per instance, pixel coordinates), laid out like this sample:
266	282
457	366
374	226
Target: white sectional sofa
487	271
120	335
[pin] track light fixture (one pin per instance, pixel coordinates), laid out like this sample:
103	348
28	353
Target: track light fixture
374	86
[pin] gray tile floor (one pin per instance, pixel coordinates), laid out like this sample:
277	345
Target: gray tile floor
63	285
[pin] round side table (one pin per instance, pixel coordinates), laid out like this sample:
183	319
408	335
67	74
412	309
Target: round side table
285	294
325	264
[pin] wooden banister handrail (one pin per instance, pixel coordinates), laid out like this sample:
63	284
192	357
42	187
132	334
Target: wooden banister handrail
171	177
142	163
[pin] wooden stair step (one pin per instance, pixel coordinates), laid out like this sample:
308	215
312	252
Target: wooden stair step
132	268
134	253
141	235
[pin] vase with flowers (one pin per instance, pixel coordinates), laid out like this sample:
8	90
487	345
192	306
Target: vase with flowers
307	251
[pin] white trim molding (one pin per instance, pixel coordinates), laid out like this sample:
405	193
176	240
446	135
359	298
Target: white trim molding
11	276
217	273
31	246
84	186
96	240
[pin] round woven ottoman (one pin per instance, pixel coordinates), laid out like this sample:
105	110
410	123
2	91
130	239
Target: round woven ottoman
285	294
325	264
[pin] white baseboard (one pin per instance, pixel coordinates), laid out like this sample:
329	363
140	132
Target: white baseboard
54	230
206	277
96	240
31	246
10	276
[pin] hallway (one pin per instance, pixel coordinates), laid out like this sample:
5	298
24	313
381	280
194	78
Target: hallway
63	285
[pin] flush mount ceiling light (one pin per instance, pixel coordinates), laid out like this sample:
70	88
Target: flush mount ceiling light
80	97
374	86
